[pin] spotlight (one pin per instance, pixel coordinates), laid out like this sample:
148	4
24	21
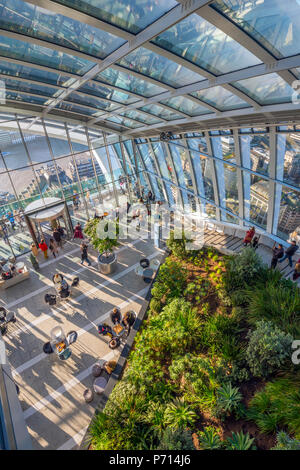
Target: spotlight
166	136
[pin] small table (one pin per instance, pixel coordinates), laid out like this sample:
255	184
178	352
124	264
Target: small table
20	266
148	273
99	385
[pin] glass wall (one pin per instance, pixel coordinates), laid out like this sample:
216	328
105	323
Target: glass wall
236	177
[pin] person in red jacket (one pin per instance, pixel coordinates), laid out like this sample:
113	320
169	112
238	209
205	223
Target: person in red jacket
44	248
78	231
249	235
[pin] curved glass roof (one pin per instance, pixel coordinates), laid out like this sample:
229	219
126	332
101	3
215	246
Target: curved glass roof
132	64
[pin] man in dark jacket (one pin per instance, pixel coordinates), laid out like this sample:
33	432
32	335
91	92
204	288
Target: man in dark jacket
278	252
57	237
289	253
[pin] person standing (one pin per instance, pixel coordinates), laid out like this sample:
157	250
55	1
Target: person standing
84	253
53	247
289	253
44	248
278	253
78	231
57	237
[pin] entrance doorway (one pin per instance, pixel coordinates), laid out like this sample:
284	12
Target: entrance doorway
43	216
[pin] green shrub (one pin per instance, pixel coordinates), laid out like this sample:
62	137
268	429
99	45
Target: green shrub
209	439
268	349
176	439
198	377
278	302
155	305
178	245
277	406
242	269
170	282
285	442
239	441
179	414
229	400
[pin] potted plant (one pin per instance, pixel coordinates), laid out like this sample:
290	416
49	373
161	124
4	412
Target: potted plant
107	259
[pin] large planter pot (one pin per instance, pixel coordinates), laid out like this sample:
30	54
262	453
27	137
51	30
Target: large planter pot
107	262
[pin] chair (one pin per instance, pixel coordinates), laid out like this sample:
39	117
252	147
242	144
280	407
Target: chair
88	395
144	263
99	385
72	337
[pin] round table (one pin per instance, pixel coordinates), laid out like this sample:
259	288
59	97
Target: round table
148	273
20	266
100	384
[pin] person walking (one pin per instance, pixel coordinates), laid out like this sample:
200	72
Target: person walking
53	247
289	253
34	250
278	253
84	253
78	231
296	273
57	237
44	248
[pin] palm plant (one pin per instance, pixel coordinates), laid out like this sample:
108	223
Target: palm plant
239	441
209	439
179	414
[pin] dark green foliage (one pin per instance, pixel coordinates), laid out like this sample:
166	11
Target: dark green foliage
178	245
102	244
170	281
229	400
239	441
268	349
176	439
285	442
242	270
209	439
277	406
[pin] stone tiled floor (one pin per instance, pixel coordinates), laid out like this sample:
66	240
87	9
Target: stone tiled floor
51	391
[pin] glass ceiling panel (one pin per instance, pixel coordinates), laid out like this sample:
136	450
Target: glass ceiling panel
43	56
160	68
17	85
39	23
266	89
181	103
65	106
91	101
124	122
203	44
140	117
129	83
273	23
22	71
131	15
221	98
108	93
11	95
161	112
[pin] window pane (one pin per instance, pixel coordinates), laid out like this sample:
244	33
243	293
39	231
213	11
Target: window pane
289	215
161	112
131	15
203	44
13	150
183	104
147	119
58	138
92	101
39	23
160	68
199	144
288	148
273	23
255	152
130	83
96	89
259	201
43	56
220	98
266	89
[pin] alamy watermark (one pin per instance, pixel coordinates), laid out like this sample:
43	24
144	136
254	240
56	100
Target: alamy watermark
2	92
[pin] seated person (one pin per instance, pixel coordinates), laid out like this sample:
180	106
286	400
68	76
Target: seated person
61	286
249	235
116	316
104	329
6	275
254	243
